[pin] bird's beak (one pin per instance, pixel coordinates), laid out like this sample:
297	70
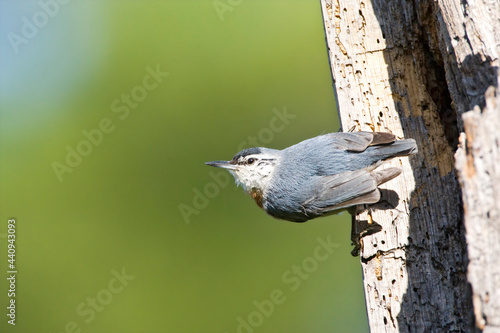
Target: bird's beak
222	164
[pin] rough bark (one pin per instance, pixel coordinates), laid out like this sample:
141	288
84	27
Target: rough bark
470	44
477	161
413	68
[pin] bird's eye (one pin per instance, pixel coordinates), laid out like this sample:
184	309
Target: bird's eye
250	160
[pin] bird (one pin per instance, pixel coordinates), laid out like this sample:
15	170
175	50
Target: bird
319	176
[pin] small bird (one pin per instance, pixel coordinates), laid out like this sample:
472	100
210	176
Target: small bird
319	176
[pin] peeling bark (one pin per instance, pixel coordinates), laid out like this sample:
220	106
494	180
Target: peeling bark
477	161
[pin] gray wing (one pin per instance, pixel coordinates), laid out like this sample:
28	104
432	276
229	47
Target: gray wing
335	153
347	189
359	141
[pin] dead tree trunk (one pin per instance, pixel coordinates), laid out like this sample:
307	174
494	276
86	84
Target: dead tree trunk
478	163
413	67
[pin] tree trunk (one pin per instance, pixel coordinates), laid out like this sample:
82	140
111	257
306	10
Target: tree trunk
477	161
413	68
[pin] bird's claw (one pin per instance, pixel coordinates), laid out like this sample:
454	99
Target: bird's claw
360	229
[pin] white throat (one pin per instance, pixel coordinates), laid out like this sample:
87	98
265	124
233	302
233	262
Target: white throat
257	176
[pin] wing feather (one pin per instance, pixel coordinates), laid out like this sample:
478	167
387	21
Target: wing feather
359	141
340	191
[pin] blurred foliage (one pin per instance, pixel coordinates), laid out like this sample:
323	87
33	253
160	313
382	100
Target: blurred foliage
99	156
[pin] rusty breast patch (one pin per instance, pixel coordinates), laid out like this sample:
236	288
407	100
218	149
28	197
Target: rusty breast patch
257	195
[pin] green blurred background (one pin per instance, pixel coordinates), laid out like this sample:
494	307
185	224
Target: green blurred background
119	238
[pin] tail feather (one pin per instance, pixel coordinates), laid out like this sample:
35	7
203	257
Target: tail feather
398	148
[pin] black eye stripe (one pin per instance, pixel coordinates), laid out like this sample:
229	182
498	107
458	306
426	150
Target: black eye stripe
252	160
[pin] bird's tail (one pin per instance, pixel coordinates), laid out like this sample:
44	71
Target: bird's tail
398	148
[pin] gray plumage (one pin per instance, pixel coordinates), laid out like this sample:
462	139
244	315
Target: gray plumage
318	176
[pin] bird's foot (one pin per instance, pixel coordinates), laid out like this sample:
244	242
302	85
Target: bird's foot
360	229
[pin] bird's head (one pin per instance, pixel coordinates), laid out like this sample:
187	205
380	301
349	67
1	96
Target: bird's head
252	168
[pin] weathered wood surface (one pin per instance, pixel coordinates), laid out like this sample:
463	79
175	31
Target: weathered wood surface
478	163
468	38
412	68
470	44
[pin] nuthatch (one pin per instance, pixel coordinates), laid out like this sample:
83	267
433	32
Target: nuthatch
318	176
